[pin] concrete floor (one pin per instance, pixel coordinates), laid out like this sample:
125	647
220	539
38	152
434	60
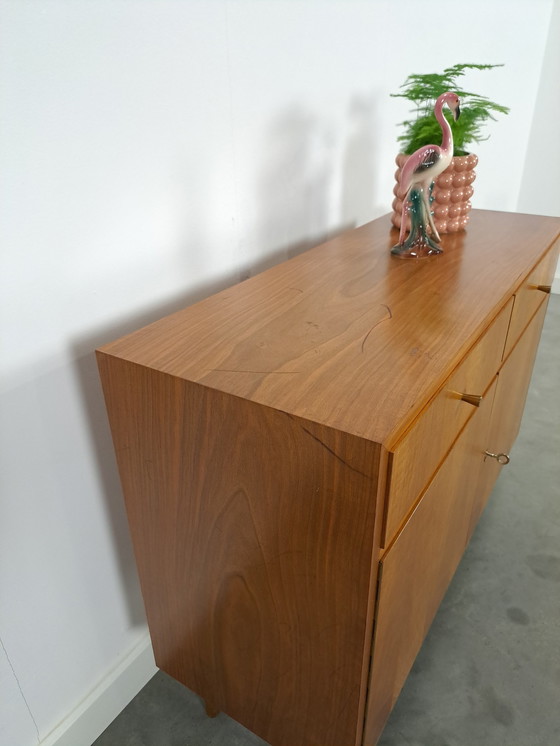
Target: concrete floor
489	671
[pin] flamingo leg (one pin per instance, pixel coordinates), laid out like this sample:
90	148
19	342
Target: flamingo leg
403	219
419	242
426	196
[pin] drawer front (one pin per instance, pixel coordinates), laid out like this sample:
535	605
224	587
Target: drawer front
418	567
422	449
530	295
509	402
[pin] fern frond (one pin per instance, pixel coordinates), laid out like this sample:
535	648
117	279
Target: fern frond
422	90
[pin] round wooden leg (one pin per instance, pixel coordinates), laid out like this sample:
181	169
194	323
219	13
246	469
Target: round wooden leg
211	709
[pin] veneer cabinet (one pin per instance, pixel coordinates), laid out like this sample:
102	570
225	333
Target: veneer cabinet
304	457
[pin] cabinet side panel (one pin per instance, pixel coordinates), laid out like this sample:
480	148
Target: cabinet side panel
253	532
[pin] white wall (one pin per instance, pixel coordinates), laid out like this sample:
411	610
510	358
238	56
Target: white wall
540	188
153	151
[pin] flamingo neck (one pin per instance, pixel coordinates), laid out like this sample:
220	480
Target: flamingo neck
447	135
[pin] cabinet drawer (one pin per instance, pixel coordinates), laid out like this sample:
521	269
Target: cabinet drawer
418	567
420	451
529	296
513	384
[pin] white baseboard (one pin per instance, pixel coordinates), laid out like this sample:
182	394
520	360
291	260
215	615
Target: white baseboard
123	682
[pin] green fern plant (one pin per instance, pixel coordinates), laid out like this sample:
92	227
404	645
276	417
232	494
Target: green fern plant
422	91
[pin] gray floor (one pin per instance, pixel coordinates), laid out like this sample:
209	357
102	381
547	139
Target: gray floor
489	671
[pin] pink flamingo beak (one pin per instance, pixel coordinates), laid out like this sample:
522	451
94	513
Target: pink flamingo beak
456	112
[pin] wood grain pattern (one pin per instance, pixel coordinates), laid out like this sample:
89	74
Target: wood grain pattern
258	434
253	534
528	296
513	385
418	567
347	335
422	449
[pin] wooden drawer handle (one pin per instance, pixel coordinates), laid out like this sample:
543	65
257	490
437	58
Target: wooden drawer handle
473	399
544	288
501	458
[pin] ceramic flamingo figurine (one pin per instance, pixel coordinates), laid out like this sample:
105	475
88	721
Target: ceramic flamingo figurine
418	173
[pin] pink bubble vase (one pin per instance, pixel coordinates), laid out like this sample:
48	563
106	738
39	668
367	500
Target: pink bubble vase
450	196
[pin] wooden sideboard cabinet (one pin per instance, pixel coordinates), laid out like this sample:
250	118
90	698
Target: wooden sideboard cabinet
304	457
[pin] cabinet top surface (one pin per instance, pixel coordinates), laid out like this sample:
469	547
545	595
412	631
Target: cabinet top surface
346	334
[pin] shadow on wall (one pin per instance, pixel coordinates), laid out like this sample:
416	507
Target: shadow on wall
293	189
85	366
359	163
299	188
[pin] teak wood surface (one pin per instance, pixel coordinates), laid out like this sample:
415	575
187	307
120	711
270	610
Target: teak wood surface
422	449
513	384
419	566
253	533
347	335
259	434
528	297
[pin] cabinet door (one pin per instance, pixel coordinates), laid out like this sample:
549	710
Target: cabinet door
509	403
418	566
529	296
413	465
